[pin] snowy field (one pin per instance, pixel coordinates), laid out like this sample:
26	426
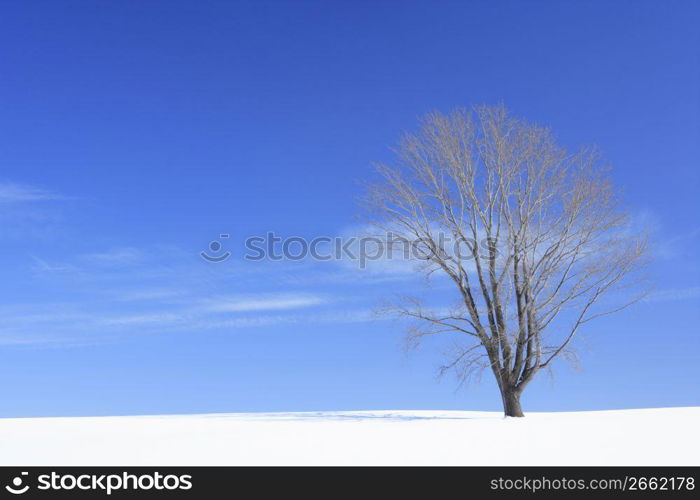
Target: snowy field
628	437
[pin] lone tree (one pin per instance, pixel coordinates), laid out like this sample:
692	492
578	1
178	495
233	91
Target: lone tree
529	234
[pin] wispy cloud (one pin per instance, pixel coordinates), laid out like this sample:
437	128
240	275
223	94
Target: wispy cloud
21	193
55	326
677	246
124	291
27	214
147	294
116	256
674	294
270	302
143	319
40	265
260	320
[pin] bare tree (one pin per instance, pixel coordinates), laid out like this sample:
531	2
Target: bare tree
539	245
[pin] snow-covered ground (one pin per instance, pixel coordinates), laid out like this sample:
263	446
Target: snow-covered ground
668	436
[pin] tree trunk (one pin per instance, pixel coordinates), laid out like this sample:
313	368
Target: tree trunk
511	403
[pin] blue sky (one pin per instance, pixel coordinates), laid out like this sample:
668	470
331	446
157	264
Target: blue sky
134	133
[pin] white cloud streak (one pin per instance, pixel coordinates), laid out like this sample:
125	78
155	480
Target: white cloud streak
265	302
674	294
21	193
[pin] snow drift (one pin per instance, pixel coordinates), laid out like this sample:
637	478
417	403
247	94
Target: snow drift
665	436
